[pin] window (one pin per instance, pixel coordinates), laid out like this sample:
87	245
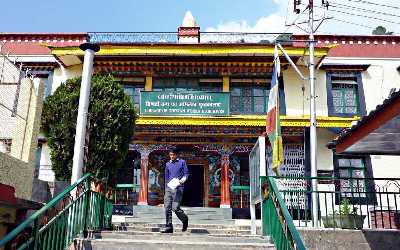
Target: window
345	94
351	169
354	179
247	99
5	145
38	156
133	91
345	98
186	84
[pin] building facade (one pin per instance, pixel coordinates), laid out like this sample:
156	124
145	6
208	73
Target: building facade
207	94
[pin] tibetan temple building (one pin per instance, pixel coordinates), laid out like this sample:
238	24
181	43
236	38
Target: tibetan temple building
207	94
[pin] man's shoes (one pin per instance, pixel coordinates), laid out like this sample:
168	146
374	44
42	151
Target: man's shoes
185	225
167	230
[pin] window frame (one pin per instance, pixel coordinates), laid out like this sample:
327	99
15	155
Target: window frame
360	98
251	97
282	102
175	86
369	185
134	86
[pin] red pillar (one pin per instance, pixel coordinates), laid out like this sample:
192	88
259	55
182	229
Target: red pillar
144	177
225	182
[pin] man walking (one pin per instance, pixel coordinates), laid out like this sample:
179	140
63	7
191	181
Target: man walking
176	173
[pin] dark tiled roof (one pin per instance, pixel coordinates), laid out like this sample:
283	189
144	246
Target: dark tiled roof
347	132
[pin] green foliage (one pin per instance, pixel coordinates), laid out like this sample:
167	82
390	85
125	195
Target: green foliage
380	30
345	208
111	120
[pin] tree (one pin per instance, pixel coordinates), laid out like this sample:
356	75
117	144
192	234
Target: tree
111	120
380	30
285	39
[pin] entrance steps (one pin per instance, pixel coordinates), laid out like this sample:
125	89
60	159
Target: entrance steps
139	235
209	229
197	215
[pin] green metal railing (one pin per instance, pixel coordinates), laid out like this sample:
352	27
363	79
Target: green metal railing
240	196
126	194
63	218
343	202
276	219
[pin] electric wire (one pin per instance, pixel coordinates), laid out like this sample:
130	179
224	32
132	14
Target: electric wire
345	6
376	4
359	15
348	22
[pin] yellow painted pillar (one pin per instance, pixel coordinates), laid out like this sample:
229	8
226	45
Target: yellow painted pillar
148	86
225	83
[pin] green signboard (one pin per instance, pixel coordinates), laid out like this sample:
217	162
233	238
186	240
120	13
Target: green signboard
184	103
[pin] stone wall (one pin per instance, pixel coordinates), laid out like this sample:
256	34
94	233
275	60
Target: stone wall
341	239
17	173
17	168
30	103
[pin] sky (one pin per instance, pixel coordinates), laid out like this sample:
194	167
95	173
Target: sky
346	16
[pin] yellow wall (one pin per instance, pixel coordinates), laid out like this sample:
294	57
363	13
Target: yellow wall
324	155
294	95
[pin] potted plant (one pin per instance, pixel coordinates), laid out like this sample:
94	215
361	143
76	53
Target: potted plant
346	218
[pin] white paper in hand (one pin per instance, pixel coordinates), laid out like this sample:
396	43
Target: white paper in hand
172	184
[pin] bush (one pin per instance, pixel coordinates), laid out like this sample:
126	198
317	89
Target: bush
111	121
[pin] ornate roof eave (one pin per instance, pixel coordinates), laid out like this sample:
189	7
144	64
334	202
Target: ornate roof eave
189	50
246	121
72	55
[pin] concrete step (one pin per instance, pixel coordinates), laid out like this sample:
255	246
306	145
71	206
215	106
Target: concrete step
167	244
179	225
130	219
197	209
182	237
192	216
189	213
193	230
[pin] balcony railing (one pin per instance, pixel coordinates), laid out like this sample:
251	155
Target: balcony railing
172	37
351	203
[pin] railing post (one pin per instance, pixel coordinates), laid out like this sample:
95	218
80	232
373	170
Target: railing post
35	231
86	207
264	214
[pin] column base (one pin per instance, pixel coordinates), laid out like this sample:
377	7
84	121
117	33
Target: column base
225	206
142	203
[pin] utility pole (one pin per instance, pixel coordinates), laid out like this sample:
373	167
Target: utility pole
313	119
77	161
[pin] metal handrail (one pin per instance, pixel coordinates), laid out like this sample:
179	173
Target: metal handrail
41	211
334	178
77	216
343	202
233	188
128	185
278	208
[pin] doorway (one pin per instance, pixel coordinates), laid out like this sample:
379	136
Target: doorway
193	194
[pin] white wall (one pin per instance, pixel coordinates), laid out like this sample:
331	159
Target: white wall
386	166
45	171
61	74
378	79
